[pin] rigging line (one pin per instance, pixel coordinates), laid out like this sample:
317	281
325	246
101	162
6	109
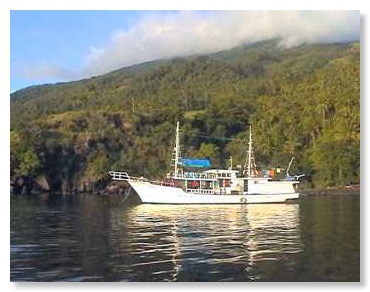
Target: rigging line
218	138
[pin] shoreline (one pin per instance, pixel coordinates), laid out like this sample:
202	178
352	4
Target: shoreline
334	191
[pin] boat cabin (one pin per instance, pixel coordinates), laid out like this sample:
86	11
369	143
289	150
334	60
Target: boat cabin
227	181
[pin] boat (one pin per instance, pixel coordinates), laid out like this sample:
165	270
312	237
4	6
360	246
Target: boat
192	181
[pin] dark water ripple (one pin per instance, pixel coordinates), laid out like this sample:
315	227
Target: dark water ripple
89	238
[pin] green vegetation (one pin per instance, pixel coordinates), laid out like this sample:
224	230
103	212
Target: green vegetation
302	102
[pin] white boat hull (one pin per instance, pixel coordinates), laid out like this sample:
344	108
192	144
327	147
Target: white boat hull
156	194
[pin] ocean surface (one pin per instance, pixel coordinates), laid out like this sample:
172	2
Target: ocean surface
94	238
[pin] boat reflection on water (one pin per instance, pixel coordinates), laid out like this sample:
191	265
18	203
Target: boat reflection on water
206	242
274	232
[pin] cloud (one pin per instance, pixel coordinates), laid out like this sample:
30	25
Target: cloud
43	70
159	35
173	34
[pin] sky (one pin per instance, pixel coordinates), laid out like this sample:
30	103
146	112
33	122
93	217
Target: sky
48	46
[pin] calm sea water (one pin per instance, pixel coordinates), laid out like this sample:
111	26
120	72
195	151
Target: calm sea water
92	238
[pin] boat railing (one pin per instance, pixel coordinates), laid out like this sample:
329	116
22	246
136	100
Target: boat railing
119	175
123	175
195	175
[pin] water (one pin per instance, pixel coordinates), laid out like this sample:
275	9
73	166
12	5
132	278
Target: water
91	238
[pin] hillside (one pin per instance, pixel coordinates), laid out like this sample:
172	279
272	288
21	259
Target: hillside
302	102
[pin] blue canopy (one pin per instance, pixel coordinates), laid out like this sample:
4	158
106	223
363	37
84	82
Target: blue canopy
198	163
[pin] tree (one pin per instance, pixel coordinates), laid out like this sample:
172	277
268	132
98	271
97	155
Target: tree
29	163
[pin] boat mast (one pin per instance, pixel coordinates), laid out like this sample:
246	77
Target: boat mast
177	150
250	165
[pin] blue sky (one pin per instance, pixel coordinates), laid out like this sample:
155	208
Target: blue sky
55	46
58	39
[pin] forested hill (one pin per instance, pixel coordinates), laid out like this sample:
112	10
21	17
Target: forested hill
302	102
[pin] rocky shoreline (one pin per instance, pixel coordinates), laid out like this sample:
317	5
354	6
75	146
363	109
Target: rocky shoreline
347	190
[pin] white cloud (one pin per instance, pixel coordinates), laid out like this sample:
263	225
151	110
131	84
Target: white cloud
42	70
172	34
161	35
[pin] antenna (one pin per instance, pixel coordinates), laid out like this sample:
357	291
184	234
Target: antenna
231	163
289	165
